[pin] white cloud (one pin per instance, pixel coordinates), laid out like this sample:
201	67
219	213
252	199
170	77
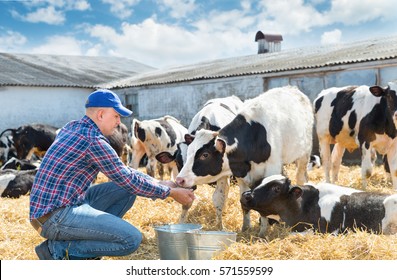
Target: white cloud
121	8
179	8
162	45
11	41
331	37
360	11
60	45
47	15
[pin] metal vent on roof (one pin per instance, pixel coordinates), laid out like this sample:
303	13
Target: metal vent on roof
268	43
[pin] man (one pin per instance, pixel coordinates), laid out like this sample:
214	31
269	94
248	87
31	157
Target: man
82	221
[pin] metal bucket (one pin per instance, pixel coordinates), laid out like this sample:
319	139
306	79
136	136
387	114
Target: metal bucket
202	245
171	240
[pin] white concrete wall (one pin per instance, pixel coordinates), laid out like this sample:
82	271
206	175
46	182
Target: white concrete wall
48	105
184	100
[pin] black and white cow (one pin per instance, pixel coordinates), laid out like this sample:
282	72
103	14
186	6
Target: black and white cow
269	131
215	114
357	117
32	138
7	148
14	183
20	164
152	137
324	207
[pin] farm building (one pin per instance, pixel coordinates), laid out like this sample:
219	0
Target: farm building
181	91
52	89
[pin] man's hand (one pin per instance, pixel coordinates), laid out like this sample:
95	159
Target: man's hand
183	196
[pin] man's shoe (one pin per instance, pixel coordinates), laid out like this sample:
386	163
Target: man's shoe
43	252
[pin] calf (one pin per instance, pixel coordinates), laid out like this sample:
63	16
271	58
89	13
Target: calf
20	164
215	114
14	183
323	207
152	137
33	138
270	130
357	117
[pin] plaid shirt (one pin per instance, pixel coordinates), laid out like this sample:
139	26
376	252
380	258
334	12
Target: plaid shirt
72	163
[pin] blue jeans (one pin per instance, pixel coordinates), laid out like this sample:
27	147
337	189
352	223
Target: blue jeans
94	228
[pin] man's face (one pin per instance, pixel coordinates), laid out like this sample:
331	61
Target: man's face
109	119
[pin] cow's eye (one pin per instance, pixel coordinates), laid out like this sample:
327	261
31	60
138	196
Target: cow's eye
204	156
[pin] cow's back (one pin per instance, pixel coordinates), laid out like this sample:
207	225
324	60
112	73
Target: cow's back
287	116
270	130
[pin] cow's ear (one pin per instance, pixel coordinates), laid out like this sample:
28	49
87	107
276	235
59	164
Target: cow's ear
189	138
220	145
377	91
296	192
165	157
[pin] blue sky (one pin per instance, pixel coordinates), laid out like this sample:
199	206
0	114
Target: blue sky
165	33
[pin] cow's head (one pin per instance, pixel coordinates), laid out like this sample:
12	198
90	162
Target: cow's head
22	142
271	197
206	160
180	154
388	96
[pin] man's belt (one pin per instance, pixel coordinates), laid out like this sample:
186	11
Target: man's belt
37	223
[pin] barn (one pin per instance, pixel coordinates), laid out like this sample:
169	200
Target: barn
181	91
52	89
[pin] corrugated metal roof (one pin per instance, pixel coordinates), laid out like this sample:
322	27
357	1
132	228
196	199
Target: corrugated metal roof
65	71
286	60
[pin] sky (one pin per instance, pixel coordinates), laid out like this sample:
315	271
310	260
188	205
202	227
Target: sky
167	33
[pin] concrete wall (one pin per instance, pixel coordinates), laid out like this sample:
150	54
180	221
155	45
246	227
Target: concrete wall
184	100
48	105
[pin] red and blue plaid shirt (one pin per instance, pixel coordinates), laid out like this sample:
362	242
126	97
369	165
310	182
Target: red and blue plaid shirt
72	163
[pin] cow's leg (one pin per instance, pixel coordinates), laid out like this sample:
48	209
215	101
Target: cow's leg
137	155
183	217
336	159
151	166
160	167
392	161
263	226
219	199
325	154
246	213
301	171
366	165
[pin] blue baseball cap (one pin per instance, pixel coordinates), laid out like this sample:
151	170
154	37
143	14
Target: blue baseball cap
107	98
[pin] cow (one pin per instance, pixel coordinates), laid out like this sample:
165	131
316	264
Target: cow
215	114
32	138
323	207
270	130
20	164
15	183
154	136
354	117
119	141
7	148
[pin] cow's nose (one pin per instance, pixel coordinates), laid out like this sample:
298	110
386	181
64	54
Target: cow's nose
180	181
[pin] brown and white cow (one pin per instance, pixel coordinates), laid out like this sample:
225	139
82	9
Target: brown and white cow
152	137
324	207
269	131
357	117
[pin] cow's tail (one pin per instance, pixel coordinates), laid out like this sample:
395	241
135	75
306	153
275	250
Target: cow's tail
8	129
